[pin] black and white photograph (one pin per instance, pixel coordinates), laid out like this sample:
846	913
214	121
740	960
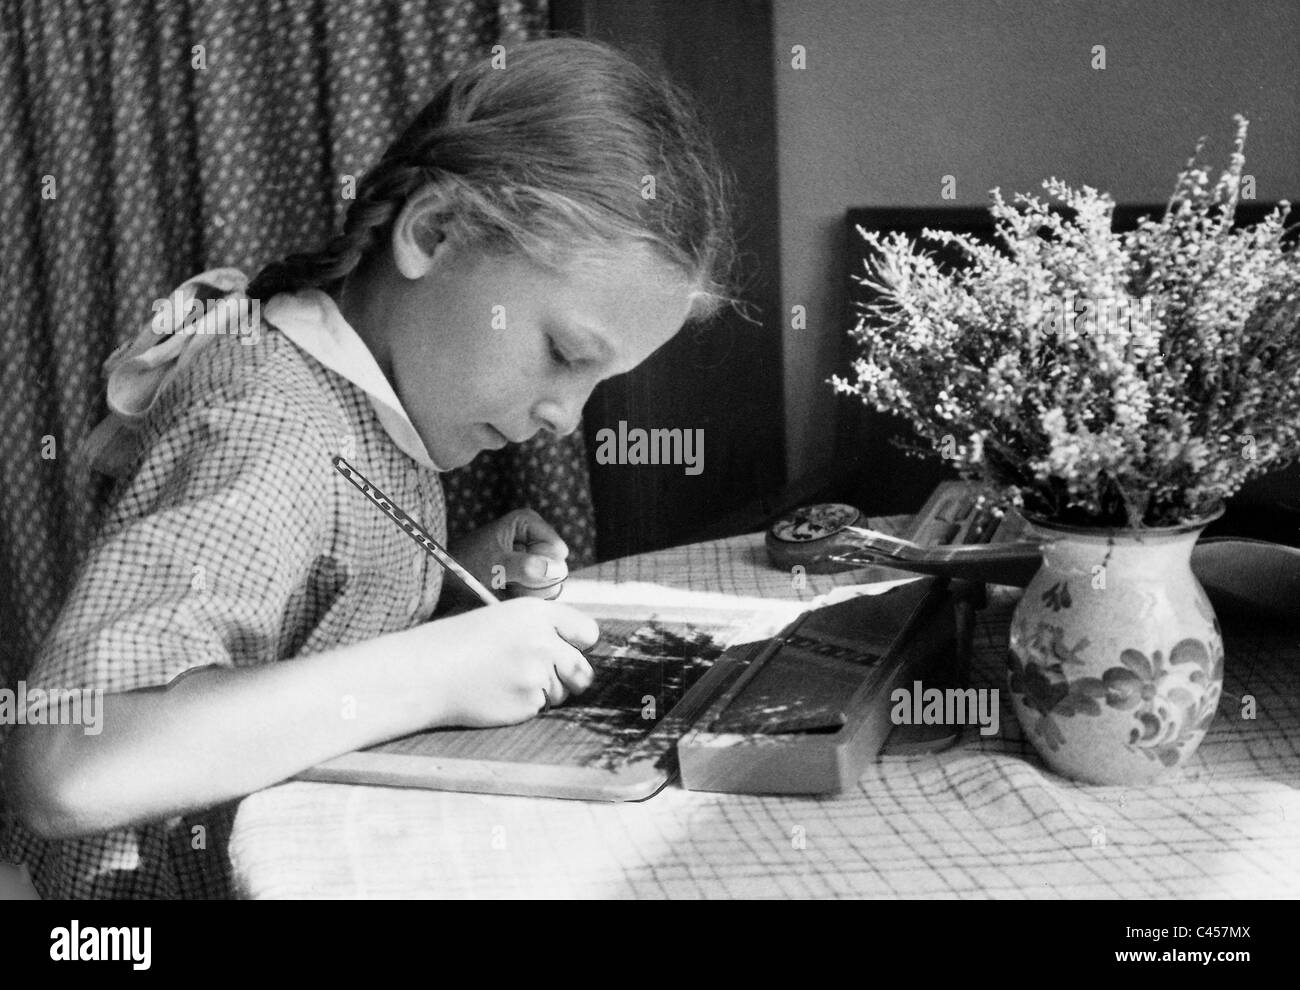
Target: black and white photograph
644	450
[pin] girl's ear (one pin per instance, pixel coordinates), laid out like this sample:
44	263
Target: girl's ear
418	240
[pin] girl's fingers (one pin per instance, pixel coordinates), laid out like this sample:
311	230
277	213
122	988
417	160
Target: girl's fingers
578	630
546	594
572	671
532	554
575	672
555	687
535	535
532	570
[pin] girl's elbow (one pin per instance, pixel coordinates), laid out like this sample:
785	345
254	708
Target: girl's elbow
41	786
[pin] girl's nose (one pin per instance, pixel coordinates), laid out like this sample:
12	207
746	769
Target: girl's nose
561	418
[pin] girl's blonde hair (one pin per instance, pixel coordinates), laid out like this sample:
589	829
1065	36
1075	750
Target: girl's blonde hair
569	149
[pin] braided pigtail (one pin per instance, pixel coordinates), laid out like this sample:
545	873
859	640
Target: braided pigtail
380	198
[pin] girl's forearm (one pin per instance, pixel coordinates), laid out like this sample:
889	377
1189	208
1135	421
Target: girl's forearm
216	735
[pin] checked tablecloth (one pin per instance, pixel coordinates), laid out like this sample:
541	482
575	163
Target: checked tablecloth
984	819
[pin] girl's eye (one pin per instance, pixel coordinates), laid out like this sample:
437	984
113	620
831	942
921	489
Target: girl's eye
557	355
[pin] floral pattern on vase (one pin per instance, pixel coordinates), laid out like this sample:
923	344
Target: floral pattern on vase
1173	706
1115	680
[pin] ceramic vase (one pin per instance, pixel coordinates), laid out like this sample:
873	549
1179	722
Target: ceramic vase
1115	665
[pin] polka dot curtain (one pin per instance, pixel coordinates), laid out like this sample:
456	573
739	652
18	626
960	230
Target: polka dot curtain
142	143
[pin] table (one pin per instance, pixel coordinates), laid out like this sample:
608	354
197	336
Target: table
985	819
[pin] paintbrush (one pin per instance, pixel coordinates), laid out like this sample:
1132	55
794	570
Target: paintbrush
415	531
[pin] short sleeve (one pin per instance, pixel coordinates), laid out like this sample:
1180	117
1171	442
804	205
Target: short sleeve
203	551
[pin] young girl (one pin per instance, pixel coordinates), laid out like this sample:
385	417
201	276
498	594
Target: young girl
245	610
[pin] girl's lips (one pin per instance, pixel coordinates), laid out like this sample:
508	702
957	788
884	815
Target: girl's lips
497	438
506	437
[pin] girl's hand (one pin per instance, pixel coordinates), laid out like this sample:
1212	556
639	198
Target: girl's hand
519	554
503	663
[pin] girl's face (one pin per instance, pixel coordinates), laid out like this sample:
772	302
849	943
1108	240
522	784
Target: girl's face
483	351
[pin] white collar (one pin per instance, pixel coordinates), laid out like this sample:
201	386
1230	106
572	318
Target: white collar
312	320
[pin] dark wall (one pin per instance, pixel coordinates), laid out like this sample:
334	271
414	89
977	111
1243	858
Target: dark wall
723	377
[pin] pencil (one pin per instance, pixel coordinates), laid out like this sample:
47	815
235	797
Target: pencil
414	530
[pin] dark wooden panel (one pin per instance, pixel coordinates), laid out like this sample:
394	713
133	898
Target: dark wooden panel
723	377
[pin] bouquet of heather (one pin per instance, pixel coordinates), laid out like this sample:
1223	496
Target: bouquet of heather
1118	380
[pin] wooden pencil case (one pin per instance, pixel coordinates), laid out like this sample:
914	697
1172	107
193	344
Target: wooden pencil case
812	708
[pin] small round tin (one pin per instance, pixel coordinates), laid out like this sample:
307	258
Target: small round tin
807	536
